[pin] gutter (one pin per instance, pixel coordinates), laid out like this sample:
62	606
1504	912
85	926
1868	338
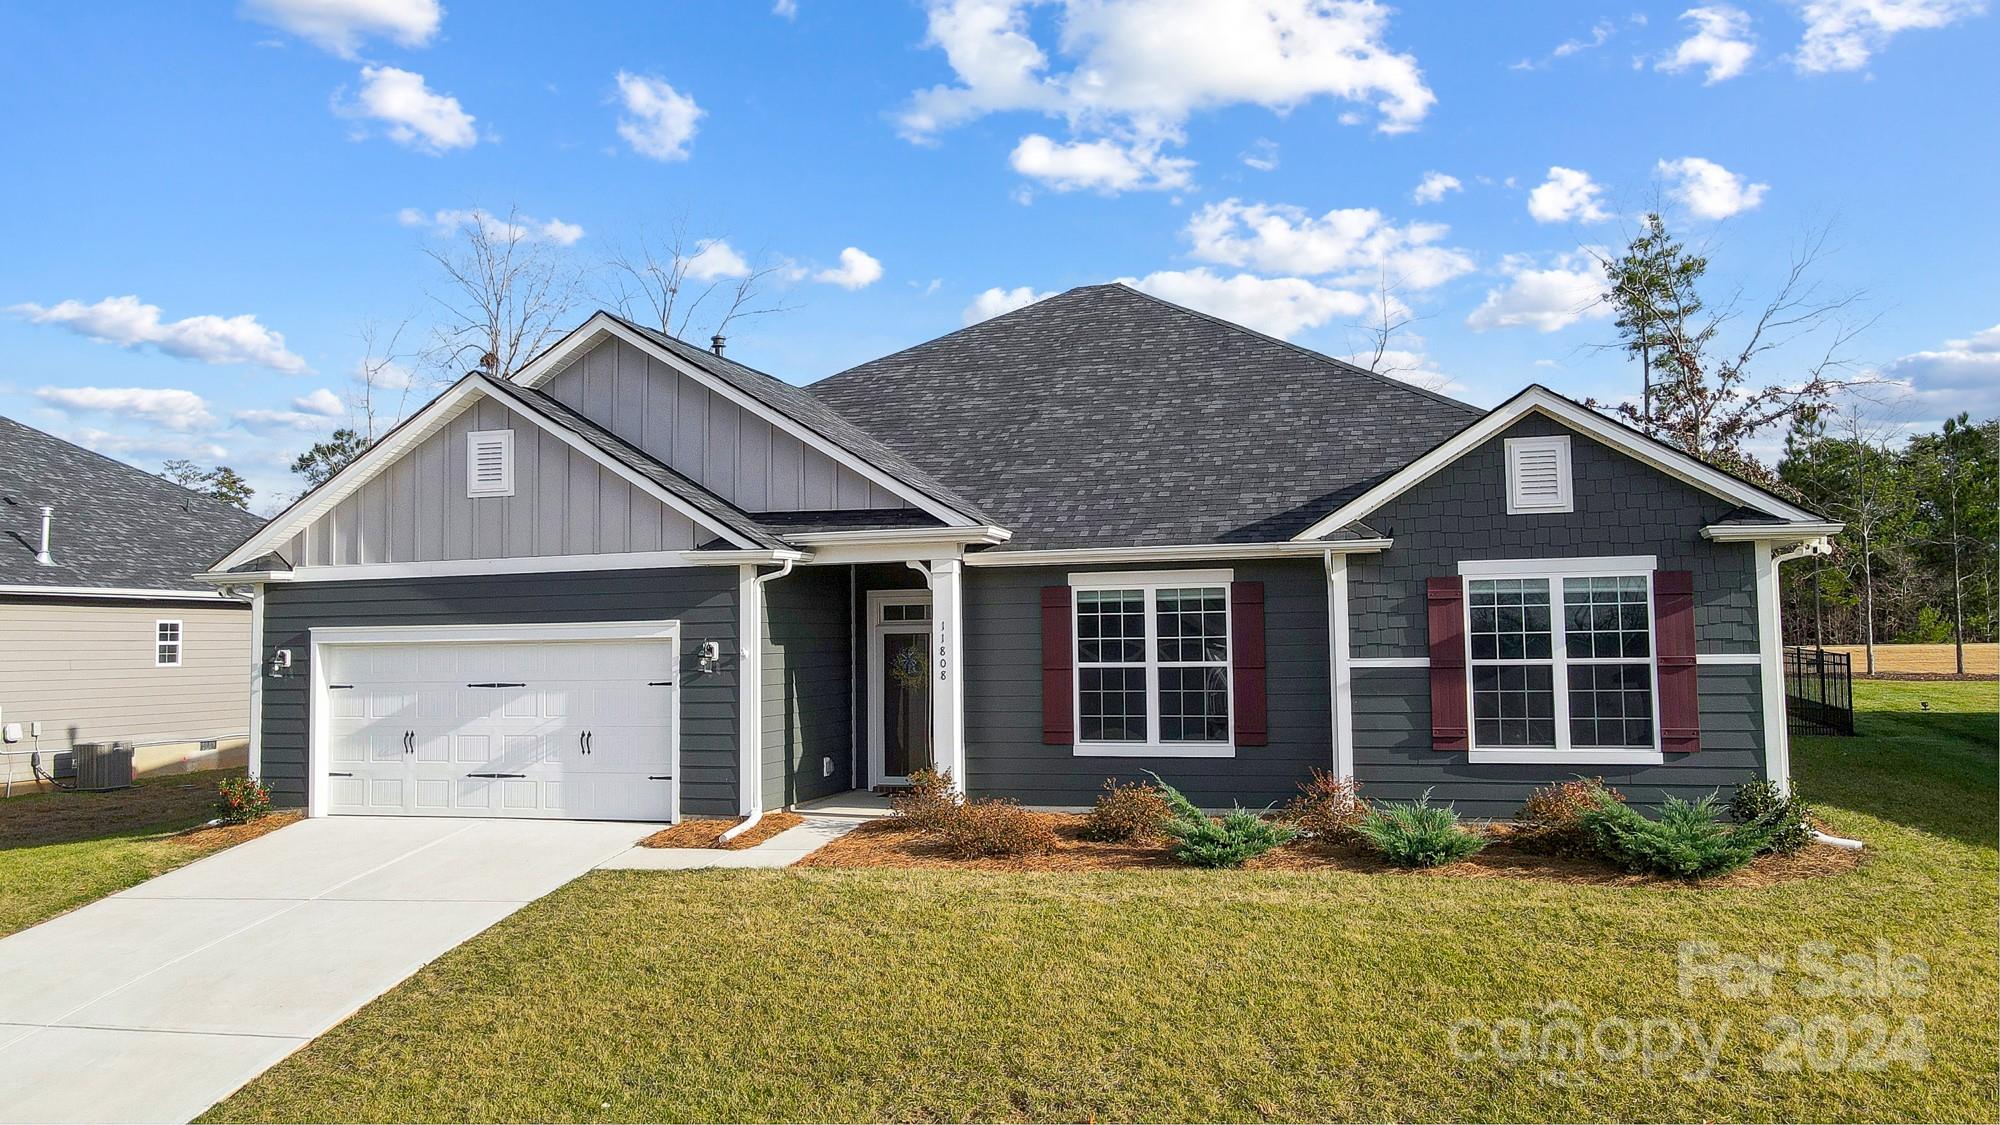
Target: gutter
1178	553
753	760
1751	532
123	592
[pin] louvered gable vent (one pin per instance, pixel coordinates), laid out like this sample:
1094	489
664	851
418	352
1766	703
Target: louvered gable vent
489	463
1538	476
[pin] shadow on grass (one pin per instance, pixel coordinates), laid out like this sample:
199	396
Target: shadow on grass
1931	768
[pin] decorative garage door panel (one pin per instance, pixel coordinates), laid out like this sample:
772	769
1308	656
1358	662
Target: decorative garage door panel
578	729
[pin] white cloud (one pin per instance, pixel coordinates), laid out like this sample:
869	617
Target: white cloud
996	300
1277	306
659	121
163	406
1262	155
1356	243
321	402
1707	189
1844	34
1434	187
281	419
515	228
340	26
1961	375
789	9
152	446
1102	166
389	375
714	260
1567	194
1543	299
131	323
1721	42
857	270
413	115
1407	359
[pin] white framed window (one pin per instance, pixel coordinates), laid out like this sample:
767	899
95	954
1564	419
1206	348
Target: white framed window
1538	476
166	644
1152	663
489	463
1561	660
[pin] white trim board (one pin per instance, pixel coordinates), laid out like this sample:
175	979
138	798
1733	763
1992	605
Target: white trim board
602	325
534	564
1189	552
120	592
1425	661
1540	400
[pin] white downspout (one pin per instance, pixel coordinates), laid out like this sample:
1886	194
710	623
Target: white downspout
750	692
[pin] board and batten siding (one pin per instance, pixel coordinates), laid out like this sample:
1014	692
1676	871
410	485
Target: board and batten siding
85	670
807	688
1003	695
1623	507
702	599
733	452
564	503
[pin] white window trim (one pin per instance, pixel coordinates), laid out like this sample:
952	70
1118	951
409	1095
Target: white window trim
179	642
1151	582
473	440
1554	571
1565	500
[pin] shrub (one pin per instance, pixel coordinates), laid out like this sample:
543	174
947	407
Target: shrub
984	829
240	800
1784	818
1687	841
1327	809
1127	812
1236	838
927	802
1551	820
1418	833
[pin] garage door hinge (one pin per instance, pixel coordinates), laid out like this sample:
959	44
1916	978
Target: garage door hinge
496	685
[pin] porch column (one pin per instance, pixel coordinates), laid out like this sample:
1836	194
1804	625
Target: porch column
947	680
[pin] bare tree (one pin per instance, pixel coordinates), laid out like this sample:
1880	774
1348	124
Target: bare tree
1386	345
505	294
668	281
381	392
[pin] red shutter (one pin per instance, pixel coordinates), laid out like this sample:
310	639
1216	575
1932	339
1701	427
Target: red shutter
1058	669
1673	633
1444	603
1246	661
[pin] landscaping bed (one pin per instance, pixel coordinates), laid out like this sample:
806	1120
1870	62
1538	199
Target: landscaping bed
706	832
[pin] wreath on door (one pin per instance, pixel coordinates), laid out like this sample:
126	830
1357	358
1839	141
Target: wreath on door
910	668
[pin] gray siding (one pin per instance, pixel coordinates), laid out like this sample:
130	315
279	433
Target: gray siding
807	686
1003	696
702	599
1623	507
737	454
564	503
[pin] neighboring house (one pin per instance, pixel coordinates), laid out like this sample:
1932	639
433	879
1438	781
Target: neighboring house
1099	535
105	635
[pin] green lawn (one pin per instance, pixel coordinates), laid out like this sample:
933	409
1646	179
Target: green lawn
60	850
1174	996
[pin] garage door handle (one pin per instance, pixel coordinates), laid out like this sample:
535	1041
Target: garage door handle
496	685
496	775
660	777
659	683
340	775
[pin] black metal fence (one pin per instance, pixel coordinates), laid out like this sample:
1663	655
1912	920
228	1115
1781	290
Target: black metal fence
1819	691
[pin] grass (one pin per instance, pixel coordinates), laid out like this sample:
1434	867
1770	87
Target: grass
60	850
829	994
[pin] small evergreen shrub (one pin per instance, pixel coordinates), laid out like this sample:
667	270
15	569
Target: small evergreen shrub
1784	818
989	829
1551	820
926	803
1231	841
1136	811
240	800
1328	809
1418	833
1688	841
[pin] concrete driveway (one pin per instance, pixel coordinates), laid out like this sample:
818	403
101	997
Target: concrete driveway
159	1001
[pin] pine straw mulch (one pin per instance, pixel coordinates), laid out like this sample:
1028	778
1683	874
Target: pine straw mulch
885	843
706	832
216	837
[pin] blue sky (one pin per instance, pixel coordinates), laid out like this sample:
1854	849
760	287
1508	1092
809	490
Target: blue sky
260	180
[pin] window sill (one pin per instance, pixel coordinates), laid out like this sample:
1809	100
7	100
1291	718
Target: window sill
1567	757
1155	750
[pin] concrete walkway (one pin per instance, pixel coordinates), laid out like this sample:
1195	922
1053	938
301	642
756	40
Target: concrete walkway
783	850
159	1001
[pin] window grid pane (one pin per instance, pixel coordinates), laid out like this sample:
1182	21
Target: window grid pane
1111	626
1112	704
1193	626
1610	706
1606	618
1513	705
1509	619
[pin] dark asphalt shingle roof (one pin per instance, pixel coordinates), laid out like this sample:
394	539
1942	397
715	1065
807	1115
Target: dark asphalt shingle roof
857	519
808	411
1103	417
115	526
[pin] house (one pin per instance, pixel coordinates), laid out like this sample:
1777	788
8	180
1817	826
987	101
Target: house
104	636
1099	535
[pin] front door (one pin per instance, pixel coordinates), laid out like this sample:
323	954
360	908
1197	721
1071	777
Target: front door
899	689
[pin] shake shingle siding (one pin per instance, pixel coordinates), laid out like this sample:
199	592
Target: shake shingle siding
807	687
702	599
1622	508
1003	696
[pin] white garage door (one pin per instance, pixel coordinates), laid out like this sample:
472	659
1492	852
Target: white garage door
581	729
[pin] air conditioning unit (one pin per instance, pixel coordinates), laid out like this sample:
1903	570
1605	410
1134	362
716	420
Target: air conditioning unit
103	765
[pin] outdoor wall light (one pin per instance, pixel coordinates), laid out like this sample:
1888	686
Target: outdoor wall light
707	655
281	662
